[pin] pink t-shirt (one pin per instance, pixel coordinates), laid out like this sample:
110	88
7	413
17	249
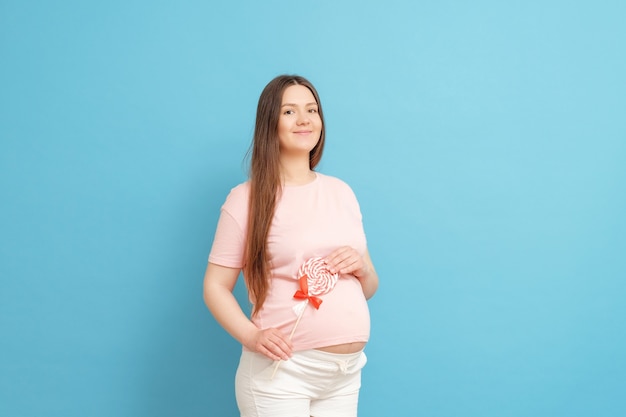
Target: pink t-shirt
310	220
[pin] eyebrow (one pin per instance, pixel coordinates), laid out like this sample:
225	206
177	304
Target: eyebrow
295	105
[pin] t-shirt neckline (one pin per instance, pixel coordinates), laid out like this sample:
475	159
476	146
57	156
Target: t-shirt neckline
313	181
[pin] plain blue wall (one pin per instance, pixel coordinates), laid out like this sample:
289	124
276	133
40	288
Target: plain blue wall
486	142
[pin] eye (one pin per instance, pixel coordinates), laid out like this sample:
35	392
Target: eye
288	112
312	110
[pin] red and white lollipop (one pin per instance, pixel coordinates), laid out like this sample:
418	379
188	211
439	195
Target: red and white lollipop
315	280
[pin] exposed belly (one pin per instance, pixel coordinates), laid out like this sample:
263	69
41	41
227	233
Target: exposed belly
344	348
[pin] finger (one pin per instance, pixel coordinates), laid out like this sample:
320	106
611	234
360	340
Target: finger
278	337
275	353
349	265
278	344
338	254
337	259
350	262
265	351
281	346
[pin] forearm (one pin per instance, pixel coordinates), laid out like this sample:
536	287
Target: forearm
369	282
228	313
368	277
218	295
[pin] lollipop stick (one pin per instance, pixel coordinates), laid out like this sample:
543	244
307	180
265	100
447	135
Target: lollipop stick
290	336
296	325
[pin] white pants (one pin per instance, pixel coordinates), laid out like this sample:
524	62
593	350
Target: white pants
310	383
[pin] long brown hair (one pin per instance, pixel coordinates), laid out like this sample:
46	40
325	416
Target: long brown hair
265	181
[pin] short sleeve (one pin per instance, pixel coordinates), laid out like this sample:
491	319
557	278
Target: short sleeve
228	244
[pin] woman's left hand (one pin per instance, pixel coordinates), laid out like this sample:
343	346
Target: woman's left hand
346	260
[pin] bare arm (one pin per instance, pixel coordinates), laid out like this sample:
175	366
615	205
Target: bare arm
346	260
219	282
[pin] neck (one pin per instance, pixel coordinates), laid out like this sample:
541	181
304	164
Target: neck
295	172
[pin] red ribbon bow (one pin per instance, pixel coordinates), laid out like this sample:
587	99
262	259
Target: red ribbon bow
303	293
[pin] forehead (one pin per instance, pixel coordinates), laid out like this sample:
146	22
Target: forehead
298	94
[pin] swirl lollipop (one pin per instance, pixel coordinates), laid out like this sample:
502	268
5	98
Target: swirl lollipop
315	280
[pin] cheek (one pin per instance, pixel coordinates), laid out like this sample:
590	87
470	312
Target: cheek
281	129
283	125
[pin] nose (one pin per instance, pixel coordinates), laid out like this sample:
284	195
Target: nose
303	118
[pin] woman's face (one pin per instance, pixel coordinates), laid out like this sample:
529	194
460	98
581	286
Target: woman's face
299	125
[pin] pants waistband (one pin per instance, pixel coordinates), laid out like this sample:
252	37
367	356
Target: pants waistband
343	361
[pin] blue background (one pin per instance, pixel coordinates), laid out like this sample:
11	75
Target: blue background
485	140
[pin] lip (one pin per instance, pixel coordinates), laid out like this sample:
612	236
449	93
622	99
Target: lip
303	132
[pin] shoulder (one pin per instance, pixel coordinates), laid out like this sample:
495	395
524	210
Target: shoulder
237	199
335	183
338	190
240	191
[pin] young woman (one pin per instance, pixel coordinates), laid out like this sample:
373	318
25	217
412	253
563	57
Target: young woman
285	215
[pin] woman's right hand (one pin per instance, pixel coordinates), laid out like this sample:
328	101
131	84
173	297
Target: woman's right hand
271	343
219	282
